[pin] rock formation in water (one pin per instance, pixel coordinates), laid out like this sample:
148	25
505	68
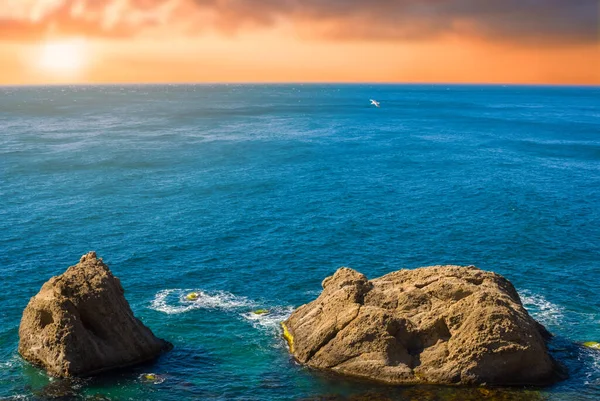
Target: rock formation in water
439	324
80	324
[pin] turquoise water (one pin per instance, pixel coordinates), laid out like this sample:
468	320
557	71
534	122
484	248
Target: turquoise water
251	195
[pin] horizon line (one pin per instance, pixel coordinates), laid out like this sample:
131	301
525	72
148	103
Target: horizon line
311	83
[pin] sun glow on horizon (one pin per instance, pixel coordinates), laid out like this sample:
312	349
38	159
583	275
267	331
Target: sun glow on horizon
64	57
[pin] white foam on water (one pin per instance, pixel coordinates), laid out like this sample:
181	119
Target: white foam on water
550	314
9	364
313	292
541	309
596	362
269	321
592	375
174	301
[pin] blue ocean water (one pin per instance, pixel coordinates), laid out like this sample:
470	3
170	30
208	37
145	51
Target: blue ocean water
252	194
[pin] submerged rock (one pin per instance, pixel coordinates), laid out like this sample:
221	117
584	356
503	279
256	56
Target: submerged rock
152	378
439	324
192	296
438	393
80	324
63	389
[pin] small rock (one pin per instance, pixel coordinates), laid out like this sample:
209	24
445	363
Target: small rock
152	378
192	296
64	389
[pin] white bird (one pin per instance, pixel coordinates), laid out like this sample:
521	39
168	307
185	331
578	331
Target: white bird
374	103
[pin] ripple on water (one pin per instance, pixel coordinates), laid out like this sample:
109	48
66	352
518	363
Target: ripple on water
592	376
15	362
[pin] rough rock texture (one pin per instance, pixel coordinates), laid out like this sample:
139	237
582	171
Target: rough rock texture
80	324
439	324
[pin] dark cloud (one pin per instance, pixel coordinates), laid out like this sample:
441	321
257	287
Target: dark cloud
558	20
529	21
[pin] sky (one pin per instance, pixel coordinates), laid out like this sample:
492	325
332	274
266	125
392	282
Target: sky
444	41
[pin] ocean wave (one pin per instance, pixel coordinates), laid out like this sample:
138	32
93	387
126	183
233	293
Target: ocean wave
556	317
541	309
174	301
270	321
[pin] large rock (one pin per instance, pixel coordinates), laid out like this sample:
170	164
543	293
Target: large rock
80	324
439	324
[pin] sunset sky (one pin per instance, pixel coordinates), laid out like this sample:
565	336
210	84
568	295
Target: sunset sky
474	41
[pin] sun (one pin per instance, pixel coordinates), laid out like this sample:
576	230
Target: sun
63	57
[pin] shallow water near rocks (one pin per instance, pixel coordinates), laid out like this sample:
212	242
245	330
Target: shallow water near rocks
250	195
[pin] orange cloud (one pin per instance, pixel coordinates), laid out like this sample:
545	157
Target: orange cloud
509	41
533	21
38	19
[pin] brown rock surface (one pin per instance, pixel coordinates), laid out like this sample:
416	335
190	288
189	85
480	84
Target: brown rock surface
439	324
80	324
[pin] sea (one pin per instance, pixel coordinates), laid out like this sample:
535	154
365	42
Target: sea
251	195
